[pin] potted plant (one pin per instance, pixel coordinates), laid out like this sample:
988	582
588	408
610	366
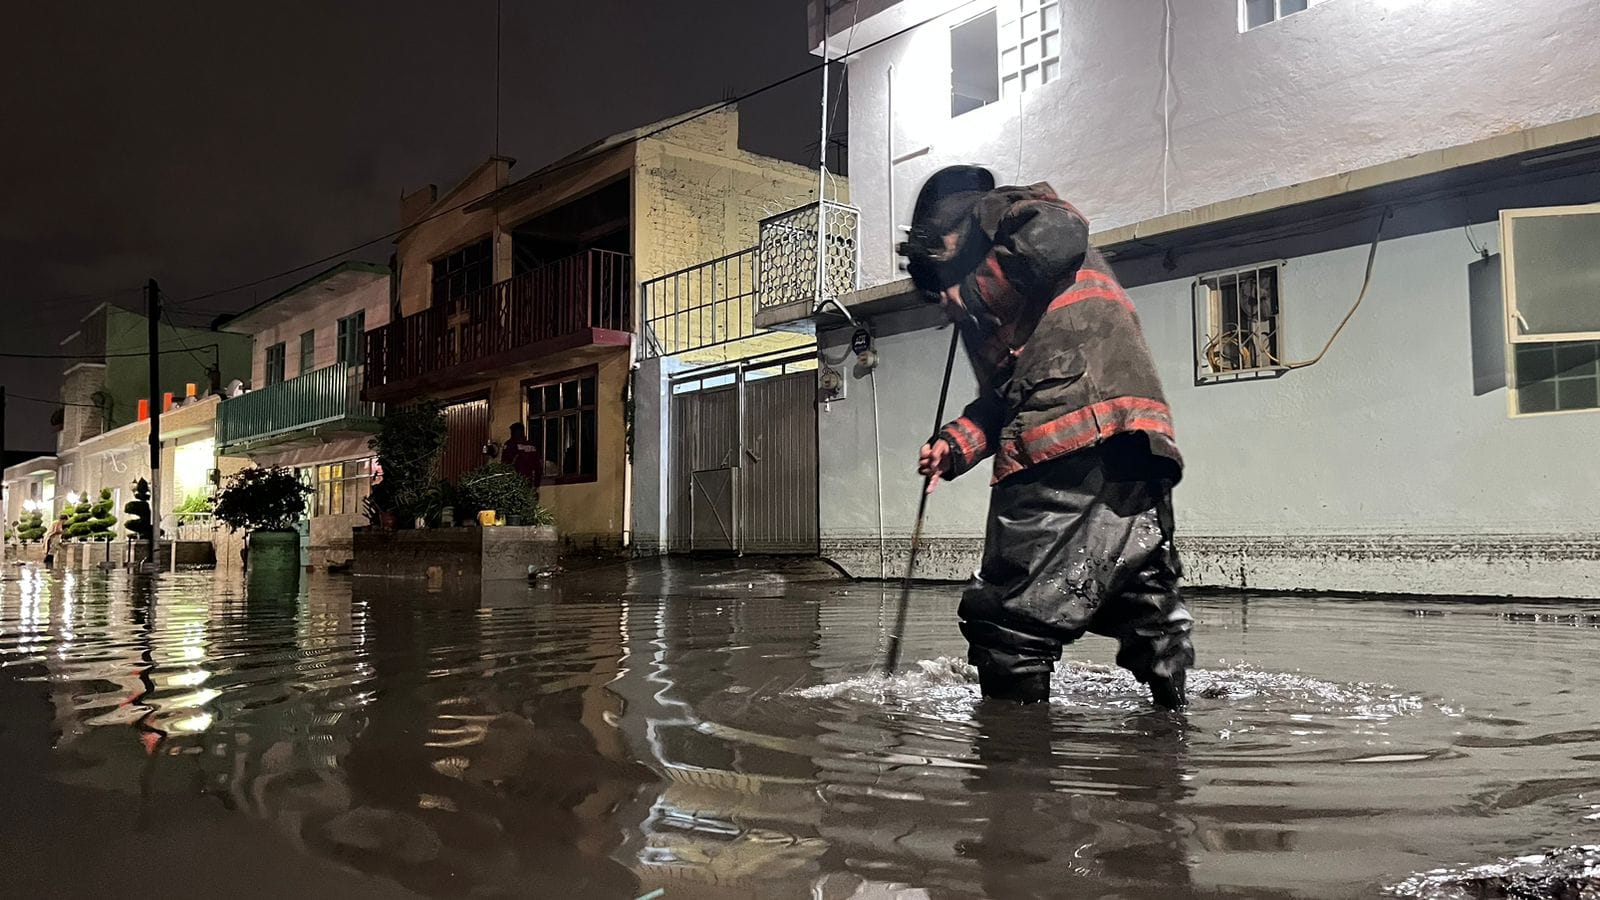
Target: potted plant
265	503
498	488
140	525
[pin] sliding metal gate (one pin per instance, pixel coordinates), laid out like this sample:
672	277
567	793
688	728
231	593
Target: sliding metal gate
744	458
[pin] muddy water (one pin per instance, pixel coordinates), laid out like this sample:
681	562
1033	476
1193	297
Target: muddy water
720	734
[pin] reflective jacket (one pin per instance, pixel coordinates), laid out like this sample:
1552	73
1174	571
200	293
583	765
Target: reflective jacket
1061	361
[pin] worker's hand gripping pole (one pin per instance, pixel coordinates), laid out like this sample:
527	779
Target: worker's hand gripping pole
892	660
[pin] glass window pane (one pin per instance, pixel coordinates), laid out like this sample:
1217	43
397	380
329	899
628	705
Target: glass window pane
1577	393
552	444
535	401
587	396
1030	52
569	445
1556	268
1050	46
1030	25
552	397
590	446
1535	362
1285	7
1258	12
1537	397
1050	71
1050	16
1576	359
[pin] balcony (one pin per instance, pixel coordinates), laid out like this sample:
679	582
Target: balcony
300	411
584	300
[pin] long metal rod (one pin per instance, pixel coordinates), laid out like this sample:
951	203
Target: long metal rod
892	660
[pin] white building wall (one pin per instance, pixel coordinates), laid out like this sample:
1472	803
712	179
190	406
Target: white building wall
1380	469
1346	84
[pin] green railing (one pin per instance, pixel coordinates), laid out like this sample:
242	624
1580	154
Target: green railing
322	397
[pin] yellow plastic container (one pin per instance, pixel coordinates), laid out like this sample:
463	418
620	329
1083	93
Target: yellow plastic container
486	517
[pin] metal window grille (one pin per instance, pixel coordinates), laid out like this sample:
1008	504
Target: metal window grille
563	418
1030	44
1239	315
787	255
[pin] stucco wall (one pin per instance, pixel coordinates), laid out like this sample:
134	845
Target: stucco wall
1346	84
1383	468
323	321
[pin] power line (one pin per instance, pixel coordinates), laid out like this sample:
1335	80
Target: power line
93	356
57	402
577	160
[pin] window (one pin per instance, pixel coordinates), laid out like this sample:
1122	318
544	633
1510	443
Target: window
562	418
461	273
275	363
350	330
1552	295
974	64
1239	322
341	487
308	351
1030	44
1256	13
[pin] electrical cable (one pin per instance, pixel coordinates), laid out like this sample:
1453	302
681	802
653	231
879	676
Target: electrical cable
58	402
560	166
1366	282
94	356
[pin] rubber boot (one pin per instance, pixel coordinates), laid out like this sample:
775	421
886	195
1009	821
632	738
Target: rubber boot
1168	692
1030	688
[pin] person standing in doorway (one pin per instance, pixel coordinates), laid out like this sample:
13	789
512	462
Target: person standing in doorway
524	455
1080	527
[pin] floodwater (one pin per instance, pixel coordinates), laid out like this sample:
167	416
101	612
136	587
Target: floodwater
708	731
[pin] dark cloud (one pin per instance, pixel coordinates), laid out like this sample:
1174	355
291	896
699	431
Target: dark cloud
209	144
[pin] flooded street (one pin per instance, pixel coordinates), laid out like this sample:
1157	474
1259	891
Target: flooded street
718	732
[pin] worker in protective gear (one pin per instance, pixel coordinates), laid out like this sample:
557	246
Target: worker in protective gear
1080	531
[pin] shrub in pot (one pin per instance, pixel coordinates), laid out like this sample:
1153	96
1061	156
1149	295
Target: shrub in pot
498	487
139	508
265	503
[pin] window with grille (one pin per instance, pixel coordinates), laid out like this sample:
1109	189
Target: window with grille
563	418
1552	295
1239	322
308	351
341	487
1030	44
463	272
350	330
1256	13
275	363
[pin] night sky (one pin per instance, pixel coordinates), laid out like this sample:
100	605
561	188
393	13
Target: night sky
211	144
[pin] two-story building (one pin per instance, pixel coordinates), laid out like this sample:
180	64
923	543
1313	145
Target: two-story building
1235	160
304	409
517	300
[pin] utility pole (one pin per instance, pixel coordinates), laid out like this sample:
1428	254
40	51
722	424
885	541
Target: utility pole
5	505
153	315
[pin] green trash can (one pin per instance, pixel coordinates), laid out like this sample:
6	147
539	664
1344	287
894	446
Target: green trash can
274	558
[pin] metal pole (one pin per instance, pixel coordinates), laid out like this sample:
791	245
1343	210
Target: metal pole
892	660
153	323
822	174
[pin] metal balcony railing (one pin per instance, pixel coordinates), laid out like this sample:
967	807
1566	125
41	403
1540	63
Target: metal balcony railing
316	398
714	303
591	290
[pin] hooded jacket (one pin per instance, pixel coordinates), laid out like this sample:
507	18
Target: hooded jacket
1062	364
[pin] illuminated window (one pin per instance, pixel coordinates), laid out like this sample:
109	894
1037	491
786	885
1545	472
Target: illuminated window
562	418
1030	44
341	487
1552	296
1256	13
1239	323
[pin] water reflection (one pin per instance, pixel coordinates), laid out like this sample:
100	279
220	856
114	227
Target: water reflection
708	732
